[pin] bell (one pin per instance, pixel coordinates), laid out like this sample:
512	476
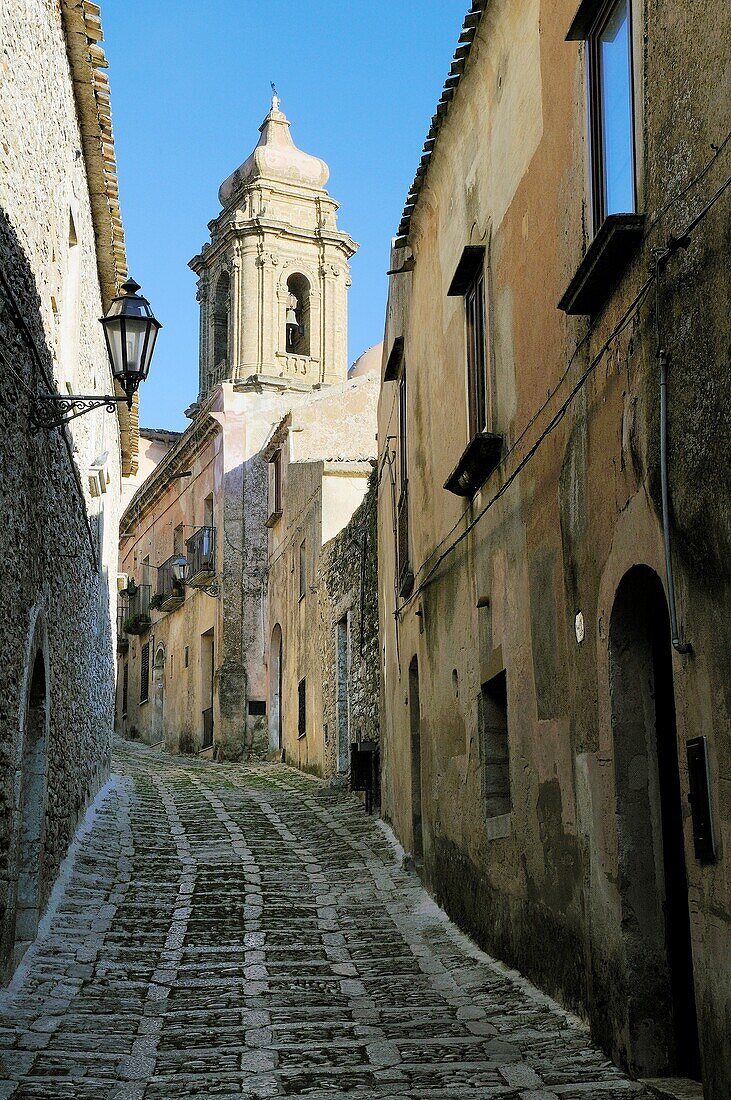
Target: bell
292	318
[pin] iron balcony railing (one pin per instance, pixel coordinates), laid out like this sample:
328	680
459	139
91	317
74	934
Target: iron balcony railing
405	572
137	617
170	593
207	739
122	612
201	554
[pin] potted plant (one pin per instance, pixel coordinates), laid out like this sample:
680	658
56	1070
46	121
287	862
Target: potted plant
137	623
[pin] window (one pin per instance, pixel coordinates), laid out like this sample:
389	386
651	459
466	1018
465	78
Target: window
172	666
297	318
187	655
257	707
275	487
405	572
178	540
303	569
494	748
484	446
208	511
476	356
145	673
301	709
609	43
402	441
125	688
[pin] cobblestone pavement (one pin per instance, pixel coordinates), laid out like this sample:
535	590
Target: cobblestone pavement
247	931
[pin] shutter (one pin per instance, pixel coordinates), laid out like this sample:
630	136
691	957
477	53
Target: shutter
145	673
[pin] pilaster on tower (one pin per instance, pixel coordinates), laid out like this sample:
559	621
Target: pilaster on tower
273	281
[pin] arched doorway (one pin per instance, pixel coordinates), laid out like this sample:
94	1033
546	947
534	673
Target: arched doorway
661	1026
275	690
32	810
157	732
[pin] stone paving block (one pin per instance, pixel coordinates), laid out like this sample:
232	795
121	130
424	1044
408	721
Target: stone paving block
242	931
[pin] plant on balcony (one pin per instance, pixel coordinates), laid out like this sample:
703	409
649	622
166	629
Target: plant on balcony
137	624
156	602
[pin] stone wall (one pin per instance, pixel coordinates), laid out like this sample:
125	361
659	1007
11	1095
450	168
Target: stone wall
59	490
528	584
347	571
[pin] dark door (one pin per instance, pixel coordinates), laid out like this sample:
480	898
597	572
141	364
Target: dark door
660	993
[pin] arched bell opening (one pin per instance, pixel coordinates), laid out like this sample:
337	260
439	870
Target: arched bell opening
297	319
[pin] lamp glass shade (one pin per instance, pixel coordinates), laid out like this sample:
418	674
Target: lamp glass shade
179	569
131	331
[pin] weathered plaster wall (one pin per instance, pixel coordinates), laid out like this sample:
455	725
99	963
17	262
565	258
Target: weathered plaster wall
569	527
325	444
148	532
57	541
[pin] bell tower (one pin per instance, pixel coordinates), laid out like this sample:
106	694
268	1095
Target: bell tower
273	281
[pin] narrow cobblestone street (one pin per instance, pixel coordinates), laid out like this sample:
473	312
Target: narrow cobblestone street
246	931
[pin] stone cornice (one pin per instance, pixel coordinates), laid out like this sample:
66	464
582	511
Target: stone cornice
259	227
83	32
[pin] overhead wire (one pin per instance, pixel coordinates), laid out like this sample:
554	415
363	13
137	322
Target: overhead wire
677	241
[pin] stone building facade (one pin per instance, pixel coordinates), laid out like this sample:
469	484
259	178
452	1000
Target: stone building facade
62	260
273	285
320	556
564	701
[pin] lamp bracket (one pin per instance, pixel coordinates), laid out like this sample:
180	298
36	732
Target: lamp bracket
51	410
213	589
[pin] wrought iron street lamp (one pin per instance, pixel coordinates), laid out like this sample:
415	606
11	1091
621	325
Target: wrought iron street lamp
130	330
180	571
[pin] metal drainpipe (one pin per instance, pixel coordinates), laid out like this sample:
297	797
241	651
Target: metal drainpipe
678	645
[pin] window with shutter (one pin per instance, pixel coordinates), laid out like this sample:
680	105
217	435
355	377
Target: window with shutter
145	673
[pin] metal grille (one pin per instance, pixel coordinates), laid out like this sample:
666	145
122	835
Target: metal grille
201	551
167	588
301	709
125	688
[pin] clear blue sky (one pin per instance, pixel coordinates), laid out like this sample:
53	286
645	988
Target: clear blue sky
359	81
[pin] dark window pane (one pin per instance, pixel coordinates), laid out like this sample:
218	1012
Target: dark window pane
616	111
476	357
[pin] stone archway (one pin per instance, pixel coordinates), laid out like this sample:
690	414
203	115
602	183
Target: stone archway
32	809
157	730
275	690
660	1022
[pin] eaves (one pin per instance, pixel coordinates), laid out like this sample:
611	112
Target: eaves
457	68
